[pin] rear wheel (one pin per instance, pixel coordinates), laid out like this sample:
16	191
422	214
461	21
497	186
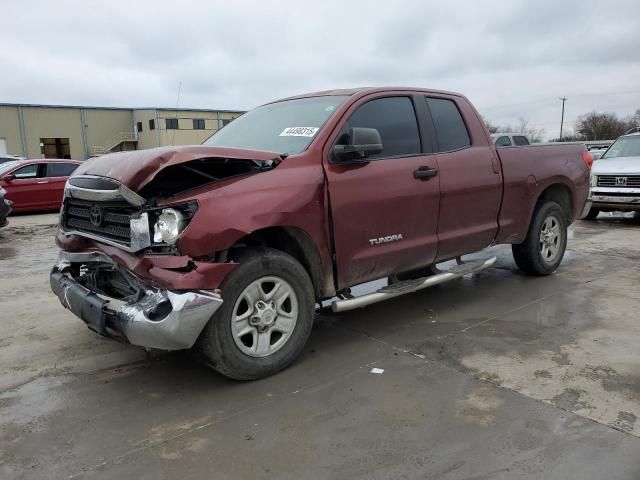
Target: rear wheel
266	317
593	213
543	248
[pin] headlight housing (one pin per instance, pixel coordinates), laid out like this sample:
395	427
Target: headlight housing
168	227
170	222
594	180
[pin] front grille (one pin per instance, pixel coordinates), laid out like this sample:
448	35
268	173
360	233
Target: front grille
619	181
109	220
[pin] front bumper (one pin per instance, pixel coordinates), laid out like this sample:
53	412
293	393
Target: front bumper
156	318
616	199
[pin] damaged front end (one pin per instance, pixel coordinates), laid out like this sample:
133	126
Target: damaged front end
116	304
121	270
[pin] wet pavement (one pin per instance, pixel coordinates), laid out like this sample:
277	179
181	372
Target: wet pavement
496	375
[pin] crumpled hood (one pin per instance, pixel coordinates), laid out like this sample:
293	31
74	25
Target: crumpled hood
614	166
136	168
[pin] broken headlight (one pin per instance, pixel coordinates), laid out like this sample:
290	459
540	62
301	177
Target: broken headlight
170	222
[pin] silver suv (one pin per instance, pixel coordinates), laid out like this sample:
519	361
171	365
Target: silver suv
615	178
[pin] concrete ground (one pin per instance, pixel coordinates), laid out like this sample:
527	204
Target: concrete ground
497	375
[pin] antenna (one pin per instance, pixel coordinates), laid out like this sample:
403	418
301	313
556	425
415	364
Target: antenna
173	137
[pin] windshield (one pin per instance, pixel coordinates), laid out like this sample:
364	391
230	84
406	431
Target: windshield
624	147
283	127
5	167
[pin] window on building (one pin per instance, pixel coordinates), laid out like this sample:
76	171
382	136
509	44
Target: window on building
395	119
139	127
30	171
60	169
198	123
55	147
152	124
503	142
520	140
226	121
171	123
450	128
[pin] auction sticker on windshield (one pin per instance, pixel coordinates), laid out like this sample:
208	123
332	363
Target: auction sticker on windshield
299	132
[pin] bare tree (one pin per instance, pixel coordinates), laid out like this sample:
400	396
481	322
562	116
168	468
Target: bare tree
600	126
535	135
490	126
569	137
523	123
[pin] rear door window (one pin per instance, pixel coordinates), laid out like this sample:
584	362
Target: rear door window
451	131
395	119
503	141
60	169
520	140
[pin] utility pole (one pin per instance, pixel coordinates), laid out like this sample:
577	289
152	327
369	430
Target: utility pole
564	99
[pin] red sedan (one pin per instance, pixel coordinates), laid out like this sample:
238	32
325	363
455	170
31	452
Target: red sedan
36	184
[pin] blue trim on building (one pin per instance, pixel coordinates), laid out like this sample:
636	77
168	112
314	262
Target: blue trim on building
172	109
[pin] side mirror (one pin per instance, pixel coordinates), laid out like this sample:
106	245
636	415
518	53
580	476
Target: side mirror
363	142
8	178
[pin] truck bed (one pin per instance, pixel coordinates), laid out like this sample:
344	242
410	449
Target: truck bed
527	171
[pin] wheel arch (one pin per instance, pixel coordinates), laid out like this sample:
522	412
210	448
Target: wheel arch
295	242
559	193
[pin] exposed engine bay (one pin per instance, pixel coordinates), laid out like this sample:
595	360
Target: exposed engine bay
179	178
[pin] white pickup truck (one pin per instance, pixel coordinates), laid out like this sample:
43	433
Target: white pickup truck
615	178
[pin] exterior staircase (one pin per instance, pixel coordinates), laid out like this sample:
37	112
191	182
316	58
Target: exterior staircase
112	143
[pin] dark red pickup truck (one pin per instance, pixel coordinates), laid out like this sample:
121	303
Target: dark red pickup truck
230	245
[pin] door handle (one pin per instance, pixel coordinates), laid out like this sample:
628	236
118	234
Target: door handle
424	173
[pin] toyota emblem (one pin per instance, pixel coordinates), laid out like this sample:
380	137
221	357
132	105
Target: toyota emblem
95	215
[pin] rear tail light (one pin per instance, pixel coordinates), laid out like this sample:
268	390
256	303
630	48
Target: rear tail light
588	159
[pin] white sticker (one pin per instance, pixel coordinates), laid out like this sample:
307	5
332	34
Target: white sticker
299	132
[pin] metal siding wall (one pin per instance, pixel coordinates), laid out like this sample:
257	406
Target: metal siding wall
103	125
10	130
43	122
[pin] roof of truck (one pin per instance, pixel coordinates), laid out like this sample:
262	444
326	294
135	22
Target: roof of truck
365	90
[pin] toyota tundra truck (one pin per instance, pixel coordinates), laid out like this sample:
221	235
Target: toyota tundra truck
229	246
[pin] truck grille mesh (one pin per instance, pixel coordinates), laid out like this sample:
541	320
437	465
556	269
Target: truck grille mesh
630	181
109	220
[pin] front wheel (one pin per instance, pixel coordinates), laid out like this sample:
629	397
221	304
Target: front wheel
543	248
593	213
266	317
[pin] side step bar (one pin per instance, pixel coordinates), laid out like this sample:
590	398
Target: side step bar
409	286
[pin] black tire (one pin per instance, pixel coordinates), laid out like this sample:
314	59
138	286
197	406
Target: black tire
593	213
217	344
529	254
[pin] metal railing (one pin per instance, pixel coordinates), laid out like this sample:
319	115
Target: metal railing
113	142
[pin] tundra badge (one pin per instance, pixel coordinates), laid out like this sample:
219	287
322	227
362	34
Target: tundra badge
389	238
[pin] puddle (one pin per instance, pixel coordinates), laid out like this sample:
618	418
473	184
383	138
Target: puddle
7	252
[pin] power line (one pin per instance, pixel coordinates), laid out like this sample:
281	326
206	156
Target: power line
549	100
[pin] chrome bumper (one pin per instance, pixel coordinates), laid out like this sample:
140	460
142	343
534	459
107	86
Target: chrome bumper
158	319
627	202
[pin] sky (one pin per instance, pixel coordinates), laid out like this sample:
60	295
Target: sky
513	59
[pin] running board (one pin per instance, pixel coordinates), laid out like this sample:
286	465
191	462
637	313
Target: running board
409	286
